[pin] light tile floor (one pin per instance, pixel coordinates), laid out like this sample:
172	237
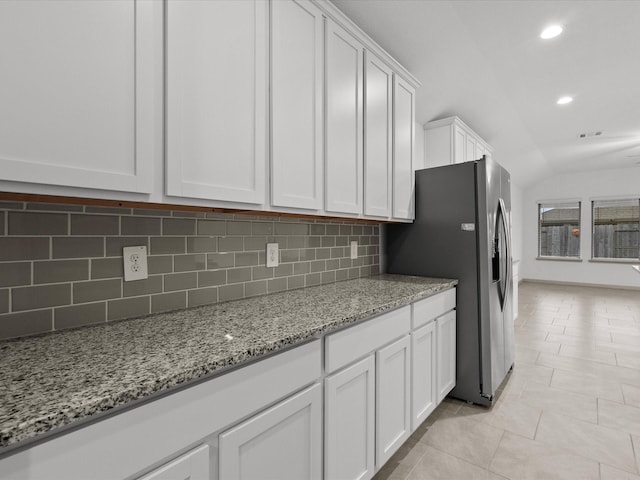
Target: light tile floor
569	410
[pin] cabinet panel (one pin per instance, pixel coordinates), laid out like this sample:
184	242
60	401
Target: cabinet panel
296	104
403	148
460	145
77	93
429	308
378	101
423	374
216	94
343	136
349	422
284	442
446	347
392	399
470	149
193	465
342	348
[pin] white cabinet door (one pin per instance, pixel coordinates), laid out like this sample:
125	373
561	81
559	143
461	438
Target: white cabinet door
343	135
446	348
423	373
283	442
193	465
349	422
479	150
392	399
459	145
470	149
378	104
216	99
403	148
77	93
296	104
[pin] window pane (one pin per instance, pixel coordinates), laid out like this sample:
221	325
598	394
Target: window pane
559	229
615	228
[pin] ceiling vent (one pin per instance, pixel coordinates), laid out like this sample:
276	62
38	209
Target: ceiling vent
589	134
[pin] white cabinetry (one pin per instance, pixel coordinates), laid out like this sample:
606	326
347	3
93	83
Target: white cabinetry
450	140
446	347
350	427
216	99
423	373
77	92
378	116
193	465
403	148
284	442
432	342
296	104
392	399
343	135
349	422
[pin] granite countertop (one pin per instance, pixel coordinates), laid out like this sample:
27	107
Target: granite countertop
54	380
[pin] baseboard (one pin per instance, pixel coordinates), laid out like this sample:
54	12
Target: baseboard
580	284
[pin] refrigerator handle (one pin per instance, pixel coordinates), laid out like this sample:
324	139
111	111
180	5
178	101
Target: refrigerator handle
507	229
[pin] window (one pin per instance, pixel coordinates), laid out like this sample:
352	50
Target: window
559	229
615	228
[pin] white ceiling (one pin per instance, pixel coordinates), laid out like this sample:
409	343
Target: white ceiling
483	60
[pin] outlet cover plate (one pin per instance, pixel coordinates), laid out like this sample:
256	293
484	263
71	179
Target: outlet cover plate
135	263
354	249
272	255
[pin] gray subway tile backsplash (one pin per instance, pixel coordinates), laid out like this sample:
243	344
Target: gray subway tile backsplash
4	300
24	248
165	302
79	315
31	223
95	225
61	265
40	296
77	247
53	271
14	274
95	290
26	323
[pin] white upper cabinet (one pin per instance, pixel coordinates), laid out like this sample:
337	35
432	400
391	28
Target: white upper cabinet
403	148
378	116
450	140
296	104
216	99
343	134
77	93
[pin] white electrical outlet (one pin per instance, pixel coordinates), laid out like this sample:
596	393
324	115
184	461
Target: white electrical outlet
272	255
135	263
354	249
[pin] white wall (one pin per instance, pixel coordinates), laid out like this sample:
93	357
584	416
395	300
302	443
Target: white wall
585	187
419	147
516	222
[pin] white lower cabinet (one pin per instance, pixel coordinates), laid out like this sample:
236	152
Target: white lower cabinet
194	465
423	373
392	399
349	422
283	442
446	347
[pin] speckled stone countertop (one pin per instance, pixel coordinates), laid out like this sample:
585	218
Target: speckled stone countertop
54	380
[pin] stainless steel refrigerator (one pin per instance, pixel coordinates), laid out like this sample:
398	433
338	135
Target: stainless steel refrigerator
462	230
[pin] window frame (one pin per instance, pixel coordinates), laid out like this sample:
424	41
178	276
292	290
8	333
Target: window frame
593	230
558	204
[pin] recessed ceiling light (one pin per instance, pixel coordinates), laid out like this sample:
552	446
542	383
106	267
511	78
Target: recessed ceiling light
564	100
551	32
